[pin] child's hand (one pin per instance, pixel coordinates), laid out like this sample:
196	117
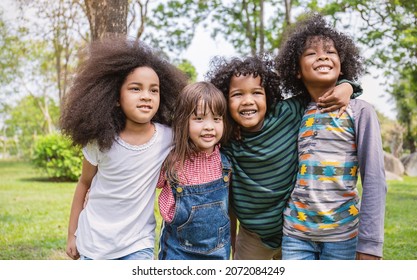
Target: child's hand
72	251
363	256
337	98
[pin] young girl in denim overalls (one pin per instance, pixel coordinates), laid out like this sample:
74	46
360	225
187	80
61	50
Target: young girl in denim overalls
195	179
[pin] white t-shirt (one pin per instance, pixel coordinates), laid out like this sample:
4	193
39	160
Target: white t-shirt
119	216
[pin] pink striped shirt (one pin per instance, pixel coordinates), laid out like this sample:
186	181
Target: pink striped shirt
200	169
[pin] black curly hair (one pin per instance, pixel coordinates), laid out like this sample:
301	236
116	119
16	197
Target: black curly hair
222	70
297	36
89	110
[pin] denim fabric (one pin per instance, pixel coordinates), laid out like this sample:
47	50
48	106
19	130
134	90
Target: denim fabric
144	254
297	249
200	229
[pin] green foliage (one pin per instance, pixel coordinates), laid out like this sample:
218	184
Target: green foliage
404	92
188	69
386	25
239	22
55	155
24	121
173	23
246	28
10	54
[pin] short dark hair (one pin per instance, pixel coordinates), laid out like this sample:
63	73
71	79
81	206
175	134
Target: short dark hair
222	70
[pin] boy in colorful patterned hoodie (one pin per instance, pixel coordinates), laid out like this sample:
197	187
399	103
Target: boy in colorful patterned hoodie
325	217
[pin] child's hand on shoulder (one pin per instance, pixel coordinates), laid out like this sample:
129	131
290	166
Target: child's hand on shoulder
336	98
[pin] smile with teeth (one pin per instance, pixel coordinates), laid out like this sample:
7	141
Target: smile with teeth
207	136
324	68
248	112
144	107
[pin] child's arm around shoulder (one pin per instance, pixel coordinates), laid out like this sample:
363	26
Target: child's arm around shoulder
372	172
339	96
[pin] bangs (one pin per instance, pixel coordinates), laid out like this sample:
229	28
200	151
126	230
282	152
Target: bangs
204	97
211	103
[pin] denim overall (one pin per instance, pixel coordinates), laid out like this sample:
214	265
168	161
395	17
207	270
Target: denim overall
200	229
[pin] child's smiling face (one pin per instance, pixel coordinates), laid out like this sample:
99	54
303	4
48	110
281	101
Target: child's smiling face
319	62
247	102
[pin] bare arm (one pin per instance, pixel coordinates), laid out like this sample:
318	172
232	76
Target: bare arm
83	185
337	98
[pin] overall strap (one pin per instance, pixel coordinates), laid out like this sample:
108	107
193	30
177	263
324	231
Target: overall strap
226	165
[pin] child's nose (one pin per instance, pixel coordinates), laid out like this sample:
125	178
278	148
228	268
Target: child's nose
248	99
209	125
145	95
323	57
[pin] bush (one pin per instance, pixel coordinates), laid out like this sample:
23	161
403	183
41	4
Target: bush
55	155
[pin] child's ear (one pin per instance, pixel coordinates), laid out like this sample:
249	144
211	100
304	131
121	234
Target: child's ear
298	75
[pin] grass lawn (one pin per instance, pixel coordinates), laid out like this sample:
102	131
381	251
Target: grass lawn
34	216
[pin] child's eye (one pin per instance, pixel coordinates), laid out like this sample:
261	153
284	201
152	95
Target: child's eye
155	90
135	89
218	118
235	94
197	118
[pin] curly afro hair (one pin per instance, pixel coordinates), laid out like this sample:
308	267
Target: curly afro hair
89	110
222	70
297	39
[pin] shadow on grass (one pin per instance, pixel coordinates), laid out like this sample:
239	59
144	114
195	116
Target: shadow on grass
47	180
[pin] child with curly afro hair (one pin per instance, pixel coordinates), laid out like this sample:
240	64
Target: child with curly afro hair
262	149
325	217
119	110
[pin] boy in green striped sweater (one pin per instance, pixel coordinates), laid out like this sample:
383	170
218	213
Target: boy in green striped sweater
263	149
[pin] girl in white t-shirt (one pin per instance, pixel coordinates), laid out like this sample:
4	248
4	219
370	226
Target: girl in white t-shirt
119	109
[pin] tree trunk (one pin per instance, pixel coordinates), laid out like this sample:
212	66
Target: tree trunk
106	17
261	27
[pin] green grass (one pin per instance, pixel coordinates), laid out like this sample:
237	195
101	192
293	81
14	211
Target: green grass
34	216
401	220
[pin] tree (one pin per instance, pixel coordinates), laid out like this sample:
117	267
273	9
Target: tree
139	9
391	25
10	52
251	26
60	27
405	95
24	125
106	17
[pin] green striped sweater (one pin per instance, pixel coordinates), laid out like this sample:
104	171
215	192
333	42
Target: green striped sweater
264	171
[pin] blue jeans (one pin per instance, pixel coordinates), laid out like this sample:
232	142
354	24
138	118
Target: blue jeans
144	254
297	249
200	229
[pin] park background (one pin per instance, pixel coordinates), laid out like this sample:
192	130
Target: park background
40	41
